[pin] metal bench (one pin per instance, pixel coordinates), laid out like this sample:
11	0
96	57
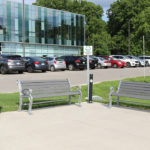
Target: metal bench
34	89
138	90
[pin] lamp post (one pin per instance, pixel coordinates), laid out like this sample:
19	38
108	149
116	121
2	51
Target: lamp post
129	37
23	29
144	53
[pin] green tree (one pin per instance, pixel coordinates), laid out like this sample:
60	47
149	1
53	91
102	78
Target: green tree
129	14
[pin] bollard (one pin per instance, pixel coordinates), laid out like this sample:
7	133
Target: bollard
90	87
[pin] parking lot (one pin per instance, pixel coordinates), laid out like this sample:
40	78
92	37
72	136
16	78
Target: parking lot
8	81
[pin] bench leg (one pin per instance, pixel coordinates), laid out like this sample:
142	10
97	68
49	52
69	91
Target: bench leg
20	104
30	105
118	101
80	97
110	101
69	99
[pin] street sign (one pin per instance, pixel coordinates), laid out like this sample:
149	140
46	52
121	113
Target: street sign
88	50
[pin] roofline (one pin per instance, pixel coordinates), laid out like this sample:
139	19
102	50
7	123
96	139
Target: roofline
48	8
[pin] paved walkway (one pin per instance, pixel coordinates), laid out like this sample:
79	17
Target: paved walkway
8	82
90	127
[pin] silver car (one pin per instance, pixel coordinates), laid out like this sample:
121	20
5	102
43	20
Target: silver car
103	63
146	59
56	63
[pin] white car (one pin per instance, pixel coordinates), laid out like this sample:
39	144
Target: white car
138	62
129	62
146	58
103	63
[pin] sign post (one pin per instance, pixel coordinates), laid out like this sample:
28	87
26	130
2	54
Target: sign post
88	50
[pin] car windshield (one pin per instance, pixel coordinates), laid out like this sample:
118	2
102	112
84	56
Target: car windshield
125	57
48	58
115	58
102	58
59	59
38	59
134	57
130	57
15	57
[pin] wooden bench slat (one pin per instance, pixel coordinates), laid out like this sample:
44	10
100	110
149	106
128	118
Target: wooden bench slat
53	95
134	91
134	96
35	88
134	87
135	83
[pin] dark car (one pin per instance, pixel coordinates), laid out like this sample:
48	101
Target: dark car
93	62
74	62
35	63
10	63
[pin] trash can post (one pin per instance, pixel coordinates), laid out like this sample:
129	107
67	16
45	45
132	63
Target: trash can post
90	87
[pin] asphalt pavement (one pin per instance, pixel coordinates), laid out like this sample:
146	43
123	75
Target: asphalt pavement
8	82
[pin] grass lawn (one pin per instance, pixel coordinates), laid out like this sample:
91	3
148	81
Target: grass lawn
9	101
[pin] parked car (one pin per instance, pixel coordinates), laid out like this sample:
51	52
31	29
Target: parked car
138	61
74	62
135	59
103	56
116	63
103	63
93	62
10	63
146	59
55	63
129	62
35	63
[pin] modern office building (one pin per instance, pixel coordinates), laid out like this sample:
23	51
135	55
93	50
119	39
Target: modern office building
39	31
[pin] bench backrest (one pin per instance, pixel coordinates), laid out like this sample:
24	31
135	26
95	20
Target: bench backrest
43	88
134	89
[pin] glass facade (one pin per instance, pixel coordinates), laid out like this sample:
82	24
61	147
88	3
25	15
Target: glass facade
46	31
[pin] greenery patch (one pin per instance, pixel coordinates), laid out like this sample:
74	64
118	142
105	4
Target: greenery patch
10	101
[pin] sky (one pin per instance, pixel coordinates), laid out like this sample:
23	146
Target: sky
104	3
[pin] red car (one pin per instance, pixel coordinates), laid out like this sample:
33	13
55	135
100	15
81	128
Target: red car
116	63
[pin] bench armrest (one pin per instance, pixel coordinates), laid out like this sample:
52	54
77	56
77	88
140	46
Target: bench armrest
111	90
26	92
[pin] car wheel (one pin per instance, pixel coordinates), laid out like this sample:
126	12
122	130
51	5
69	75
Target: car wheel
115	66
71	67
3	70
81	68
146	64
52	68
99	66
128	64
29	69
93	68
20	72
